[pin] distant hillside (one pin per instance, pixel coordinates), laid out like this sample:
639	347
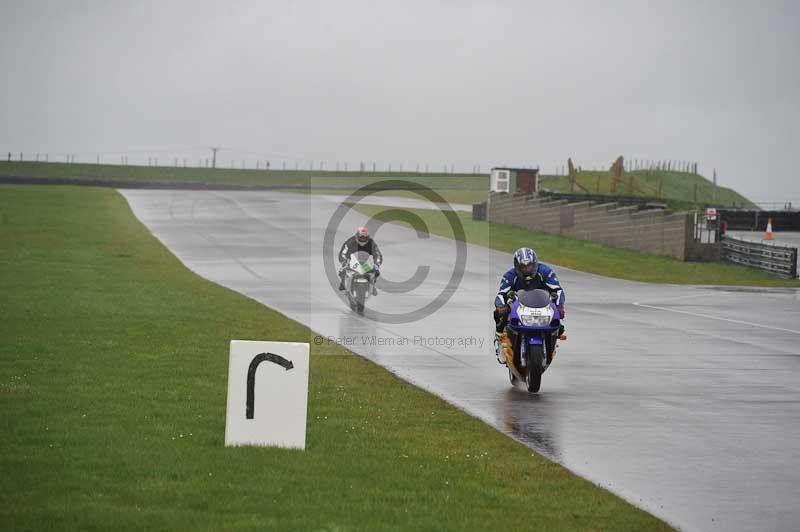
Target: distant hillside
679	187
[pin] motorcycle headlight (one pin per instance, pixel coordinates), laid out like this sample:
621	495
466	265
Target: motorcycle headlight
535	317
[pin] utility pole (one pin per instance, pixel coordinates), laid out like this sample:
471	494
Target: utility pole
214	157
714	195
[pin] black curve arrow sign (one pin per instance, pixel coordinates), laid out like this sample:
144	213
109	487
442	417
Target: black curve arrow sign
251	376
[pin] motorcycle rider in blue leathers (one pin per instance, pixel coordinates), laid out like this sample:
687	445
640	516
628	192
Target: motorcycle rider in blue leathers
527	274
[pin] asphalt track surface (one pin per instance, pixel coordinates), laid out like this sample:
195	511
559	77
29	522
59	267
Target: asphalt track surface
683	400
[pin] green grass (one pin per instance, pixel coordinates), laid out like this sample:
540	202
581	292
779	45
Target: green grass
113	364
677	188
588	256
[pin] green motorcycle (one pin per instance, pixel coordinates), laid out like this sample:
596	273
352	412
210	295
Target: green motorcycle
359	280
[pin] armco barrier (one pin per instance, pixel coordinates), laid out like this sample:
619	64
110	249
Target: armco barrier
775	259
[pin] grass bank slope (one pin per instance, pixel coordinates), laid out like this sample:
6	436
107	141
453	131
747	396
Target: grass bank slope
113	364
678	187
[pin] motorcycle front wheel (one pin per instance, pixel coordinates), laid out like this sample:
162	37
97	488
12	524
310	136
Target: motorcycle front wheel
533	371
360	298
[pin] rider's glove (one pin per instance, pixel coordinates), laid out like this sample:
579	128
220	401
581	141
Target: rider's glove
561	312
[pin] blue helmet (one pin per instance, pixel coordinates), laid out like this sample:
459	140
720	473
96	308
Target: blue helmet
526	263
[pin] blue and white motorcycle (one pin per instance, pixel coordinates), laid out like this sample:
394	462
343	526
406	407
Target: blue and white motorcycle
531	336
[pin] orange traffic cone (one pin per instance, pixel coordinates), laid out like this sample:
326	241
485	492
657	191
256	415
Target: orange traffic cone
768	236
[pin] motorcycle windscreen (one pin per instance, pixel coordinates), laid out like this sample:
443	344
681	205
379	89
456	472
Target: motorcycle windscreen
362	259
537	298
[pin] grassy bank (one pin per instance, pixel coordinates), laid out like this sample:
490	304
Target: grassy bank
681	190
113	366
591	257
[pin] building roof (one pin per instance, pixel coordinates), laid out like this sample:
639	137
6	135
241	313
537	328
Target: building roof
515	169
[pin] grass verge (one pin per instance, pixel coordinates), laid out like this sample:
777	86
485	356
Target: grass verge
588	256
113	367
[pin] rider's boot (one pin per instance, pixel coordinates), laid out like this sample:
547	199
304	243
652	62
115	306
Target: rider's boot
499	349
374	291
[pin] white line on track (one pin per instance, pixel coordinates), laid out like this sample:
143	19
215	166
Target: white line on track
696	314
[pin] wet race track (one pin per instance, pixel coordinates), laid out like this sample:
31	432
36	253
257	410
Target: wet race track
683	400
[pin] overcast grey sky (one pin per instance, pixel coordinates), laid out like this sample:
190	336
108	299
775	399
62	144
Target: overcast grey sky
456	82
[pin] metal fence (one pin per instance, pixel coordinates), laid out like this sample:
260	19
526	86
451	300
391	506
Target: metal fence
772	258
706	231
479	211
245	160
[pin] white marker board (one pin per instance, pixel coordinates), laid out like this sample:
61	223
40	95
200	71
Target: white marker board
267	394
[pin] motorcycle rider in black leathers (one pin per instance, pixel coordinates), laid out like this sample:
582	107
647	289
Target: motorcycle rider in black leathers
361	241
